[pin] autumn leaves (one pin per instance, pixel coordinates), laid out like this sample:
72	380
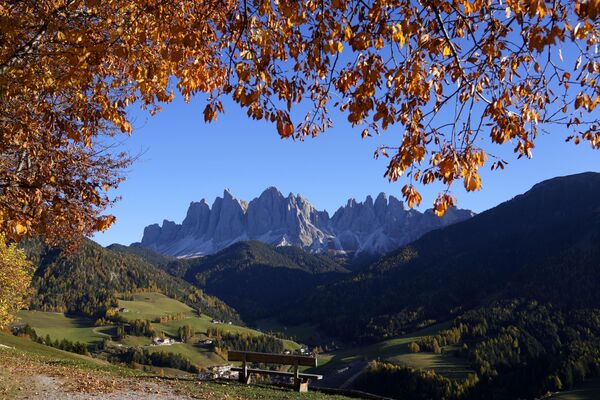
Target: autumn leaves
447	78
445	74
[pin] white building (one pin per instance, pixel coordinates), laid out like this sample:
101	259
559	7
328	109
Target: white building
163	342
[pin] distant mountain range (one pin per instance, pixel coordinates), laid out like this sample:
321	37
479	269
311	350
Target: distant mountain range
370	227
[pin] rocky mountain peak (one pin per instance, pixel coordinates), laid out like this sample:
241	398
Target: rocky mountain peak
373	226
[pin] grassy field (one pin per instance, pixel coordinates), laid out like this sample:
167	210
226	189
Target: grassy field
396	351
59	326
202	357
152	305
201	324
444	364
20	359
589	390
387	349
25	347
143	306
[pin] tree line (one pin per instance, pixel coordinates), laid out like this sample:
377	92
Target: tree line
245	341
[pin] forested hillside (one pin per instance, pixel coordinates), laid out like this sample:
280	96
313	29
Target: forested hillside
88	281
259	280
152	257
519	283
516	349
541	245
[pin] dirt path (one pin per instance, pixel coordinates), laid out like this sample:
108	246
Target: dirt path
25	377
58	388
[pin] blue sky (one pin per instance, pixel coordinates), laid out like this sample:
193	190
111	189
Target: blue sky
183	160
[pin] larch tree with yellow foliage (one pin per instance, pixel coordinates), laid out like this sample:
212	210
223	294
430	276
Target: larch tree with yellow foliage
15	276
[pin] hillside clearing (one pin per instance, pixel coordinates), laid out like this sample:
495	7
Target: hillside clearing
59	326
396	351
151	306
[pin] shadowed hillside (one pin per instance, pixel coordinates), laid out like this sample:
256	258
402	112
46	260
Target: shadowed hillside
541	245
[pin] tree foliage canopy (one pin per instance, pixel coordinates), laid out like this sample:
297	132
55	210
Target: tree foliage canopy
15	276
68	71
452	77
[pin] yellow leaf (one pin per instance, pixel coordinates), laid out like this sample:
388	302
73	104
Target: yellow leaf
439	209
472	181
20	229
104	222
447	51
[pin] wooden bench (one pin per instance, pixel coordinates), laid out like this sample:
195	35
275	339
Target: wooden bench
300	379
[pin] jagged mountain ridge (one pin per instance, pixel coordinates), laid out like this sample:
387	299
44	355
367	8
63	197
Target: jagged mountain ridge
371	226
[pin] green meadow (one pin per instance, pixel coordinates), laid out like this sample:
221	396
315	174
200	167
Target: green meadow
59	326
152	305
143	306
202	357
589	390
396	351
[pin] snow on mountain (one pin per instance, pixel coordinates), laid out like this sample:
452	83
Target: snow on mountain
368	227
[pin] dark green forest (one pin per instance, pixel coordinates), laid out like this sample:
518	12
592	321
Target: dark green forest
518	349
542	245
260	280
257	279
245	342
88	281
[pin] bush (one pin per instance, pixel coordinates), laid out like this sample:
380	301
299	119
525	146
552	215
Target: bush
413	347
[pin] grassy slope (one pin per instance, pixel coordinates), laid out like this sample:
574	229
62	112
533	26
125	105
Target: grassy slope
144	306
202	357
40	359
586	391
58	326
26	348
153	305
396	350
